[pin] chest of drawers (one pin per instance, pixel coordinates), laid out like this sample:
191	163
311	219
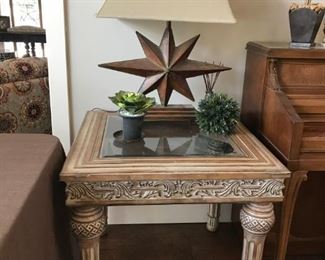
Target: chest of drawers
284	105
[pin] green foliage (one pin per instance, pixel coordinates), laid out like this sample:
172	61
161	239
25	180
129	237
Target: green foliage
218	114
132	102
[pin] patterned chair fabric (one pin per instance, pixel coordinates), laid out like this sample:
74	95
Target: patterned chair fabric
24	96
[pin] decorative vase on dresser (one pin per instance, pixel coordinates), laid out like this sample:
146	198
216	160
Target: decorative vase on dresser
284	106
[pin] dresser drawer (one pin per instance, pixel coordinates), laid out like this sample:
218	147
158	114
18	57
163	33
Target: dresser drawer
301	73
313	139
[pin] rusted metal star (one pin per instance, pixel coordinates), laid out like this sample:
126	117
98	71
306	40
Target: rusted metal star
166	66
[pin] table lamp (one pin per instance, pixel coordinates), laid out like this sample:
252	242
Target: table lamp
166	65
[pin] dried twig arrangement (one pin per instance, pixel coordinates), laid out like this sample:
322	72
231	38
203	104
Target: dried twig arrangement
307	4
210	80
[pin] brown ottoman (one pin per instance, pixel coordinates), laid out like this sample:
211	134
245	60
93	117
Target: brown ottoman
32	213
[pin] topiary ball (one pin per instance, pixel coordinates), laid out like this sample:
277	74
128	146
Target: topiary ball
218	113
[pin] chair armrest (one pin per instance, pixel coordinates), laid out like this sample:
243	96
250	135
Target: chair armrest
24	96
23	69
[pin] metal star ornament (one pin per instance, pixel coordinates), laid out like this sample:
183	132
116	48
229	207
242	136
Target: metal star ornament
166	67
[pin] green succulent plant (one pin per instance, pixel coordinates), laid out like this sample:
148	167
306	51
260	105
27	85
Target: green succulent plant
218	113
132	103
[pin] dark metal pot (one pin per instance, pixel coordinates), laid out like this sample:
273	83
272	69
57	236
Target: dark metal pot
304	25
132	126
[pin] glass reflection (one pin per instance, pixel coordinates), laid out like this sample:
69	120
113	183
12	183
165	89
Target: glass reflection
164	138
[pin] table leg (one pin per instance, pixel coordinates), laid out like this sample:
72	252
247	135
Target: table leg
88	223
213	217
257	220
288	206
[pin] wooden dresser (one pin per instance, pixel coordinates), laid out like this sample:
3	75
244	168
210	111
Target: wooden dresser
284	105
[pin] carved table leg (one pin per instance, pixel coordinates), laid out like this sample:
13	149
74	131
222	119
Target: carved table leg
213	217
88	223
257	220
288	206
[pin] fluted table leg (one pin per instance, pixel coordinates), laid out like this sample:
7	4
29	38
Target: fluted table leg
257	220
88	223
213	217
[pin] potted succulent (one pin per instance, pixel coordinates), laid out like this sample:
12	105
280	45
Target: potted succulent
217	114
305	20
133	107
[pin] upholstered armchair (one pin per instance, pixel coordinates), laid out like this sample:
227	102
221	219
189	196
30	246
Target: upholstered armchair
24	96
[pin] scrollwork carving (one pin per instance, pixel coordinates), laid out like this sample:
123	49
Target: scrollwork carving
173	189
274	78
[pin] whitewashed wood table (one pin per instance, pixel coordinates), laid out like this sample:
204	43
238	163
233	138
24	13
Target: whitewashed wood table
173	164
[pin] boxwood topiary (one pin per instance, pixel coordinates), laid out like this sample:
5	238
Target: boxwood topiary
218	113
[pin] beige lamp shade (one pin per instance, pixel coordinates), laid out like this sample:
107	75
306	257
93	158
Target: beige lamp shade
204	11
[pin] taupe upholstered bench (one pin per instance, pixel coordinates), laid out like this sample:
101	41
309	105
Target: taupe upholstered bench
32	221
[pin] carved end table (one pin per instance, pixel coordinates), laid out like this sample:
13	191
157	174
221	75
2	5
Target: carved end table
173	163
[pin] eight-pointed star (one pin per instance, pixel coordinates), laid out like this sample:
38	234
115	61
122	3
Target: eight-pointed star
166	66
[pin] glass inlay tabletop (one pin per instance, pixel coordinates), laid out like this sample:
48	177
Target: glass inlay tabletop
164	138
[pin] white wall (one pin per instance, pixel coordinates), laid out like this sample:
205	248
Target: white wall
93	41
56	52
